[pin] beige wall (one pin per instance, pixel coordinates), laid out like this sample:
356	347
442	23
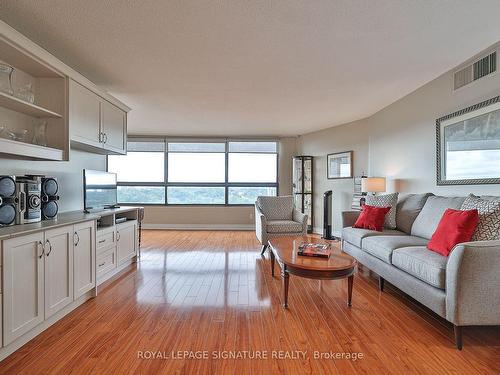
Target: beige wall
220	216
397	142
68	173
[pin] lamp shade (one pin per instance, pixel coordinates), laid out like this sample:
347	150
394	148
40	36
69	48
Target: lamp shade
373	184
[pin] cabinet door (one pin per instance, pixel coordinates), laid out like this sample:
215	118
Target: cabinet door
23	285
58	269
84	115
84	258
113	125
125	241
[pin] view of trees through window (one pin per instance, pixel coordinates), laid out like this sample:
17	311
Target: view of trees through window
158	171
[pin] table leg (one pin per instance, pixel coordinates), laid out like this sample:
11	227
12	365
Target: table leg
272	263
350	280
286	280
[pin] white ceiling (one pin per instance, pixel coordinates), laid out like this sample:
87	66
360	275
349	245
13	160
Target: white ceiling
261	67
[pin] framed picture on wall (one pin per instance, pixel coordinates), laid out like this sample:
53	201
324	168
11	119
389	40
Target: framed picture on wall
339	165
468	145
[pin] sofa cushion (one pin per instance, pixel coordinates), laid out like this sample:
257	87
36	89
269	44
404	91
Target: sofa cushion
407	210
456	226
283	226
372	218
382	247
385	200
488	227
490	197
355	235
276	208
422	263
428	219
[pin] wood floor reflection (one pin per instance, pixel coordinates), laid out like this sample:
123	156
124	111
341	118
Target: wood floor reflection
212	291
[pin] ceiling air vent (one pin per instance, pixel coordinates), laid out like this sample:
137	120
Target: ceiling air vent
479	69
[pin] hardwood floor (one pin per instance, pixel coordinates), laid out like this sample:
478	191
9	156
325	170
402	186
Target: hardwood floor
212	291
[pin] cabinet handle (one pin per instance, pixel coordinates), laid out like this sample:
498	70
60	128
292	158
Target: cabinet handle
40	245
117	236
102	241
77	239
102	264
105	136
50	247
100	137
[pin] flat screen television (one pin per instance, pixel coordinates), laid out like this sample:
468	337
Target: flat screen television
99	189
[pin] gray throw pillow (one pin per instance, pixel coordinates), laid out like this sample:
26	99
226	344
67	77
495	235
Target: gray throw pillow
488	227
386	200
407	210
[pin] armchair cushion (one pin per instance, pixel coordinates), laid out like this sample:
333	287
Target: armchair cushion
283	226
276	208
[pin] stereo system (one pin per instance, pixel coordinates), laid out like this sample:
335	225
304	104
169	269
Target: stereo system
28	199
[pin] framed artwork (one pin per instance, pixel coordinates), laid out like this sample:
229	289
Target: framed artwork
339	165
468	145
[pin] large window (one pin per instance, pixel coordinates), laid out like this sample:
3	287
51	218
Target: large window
183	172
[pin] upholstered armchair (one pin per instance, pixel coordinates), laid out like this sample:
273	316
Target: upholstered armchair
276	216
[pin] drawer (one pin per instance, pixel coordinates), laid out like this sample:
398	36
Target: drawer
106	261
105	239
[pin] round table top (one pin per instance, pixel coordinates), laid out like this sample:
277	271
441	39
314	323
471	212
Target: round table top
286	248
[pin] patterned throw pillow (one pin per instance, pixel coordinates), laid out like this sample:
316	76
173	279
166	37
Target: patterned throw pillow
489	217
386	200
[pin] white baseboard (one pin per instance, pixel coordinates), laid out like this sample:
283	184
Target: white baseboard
200	226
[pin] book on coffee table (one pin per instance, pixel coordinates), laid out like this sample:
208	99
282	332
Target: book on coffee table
314	250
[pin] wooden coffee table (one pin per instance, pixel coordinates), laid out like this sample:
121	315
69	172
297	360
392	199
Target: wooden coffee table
338	266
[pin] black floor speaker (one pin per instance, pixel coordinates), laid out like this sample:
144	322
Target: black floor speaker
327	215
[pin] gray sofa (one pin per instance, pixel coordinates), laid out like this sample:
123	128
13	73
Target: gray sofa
463	288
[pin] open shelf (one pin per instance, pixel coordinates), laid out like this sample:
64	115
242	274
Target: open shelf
11	147
18	105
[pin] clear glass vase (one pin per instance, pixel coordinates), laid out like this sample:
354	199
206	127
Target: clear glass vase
6	78
26	93
40	134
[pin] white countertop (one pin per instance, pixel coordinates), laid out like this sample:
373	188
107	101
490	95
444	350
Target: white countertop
65	218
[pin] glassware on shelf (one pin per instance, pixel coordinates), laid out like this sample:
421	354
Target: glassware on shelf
18	135
6	72
40	134
26	93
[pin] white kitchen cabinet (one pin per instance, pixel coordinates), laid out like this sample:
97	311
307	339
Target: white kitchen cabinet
58	247
23	286
84	258
84	115
126	236
113	127
96	125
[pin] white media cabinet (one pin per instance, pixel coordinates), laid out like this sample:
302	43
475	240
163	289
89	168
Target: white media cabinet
50	268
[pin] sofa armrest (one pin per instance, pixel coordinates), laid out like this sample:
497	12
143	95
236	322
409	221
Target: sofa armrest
349	218
300	218
260	226
473	284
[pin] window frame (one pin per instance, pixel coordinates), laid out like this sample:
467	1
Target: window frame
226	184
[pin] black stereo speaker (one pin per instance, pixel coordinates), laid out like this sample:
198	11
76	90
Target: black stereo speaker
8	200
50	206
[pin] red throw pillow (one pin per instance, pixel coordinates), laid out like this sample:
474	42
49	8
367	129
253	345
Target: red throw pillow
455	227
372	218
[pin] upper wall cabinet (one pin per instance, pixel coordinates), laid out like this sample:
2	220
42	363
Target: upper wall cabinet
33	106
95	124
45	105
